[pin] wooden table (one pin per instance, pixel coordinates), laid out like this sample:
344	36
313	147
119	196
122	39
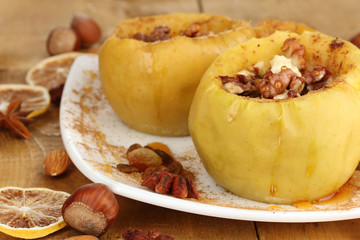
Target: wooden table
24	26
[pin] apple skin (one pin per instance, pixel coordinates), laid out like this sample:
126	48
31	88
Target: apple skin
150	85
280	151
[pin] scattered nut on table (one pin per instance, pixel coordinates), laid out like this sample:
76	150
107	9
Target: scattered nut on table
56	162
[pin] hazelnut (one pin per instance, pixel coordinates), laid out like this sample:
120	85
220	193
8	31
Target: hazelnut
86	28
62	40
356	40
91	209
56	162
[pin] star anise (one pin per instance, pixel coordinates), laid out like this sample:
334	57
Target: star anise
15	120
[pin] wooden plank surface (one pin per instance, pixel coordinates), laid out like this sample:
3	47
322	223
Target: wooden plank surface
336	18
24	25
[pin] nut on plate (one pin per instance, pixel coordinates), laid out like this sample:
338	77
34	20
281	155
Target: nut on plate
91	209
281	150
56	162
153	83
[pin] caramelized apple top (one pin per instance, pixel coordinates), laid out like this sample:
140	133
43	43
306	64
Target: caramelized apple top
288	76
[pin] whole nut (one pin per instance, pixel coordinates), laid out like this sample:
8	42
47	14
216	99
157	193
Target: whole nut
82	237
356	40
86	28
62	40
91	209
56	162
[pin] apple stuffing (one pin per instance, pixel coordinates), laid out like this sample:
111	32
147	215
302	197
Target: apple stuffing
287	77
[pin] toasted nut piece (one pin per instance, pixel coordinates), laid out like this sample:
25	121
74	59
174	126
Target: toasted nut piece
174	167
165	183
152	179
82	237
56	162
149	170
192	191
135	234
179	187
142	158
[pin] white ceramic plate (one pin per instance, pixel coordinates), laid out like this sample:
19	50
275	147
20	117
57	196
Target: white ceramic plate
96	141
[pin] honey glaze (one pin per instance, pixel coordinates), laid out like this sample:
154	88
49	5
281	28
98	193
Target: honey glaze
273	190
342	196
304	205
274	207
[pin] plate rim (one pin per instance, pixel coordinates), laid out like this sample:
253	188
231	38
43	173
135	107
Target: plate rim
189	206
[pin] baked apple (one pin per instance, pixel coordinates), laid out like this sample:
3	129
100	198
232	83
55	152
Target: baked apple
276	119
150	67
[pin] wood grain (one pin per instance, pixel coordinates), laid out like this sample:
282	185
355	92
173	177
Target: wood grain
336	18
24	26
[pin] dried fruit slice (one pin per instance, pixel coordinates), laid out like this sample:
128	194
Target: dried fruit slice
52	73
35	99
31	212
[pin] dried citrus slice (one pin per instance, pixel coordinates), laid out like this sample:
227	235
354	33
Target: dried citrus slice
31	212
34	98
52	73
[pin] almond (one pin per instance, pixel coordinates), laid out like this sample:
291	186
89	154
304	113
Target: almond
82	237
56	162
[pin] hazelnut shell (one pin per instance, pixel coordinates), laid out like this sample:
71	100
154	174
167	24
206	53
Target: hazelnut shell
91	209
86	28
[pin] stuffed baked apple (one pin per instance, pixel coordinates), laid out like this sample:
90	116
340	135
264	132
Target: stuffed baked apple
277	119
150	67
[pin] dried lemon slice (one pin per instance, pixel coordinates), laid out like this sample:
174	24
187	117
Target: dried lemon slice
31	212
52	73
34	98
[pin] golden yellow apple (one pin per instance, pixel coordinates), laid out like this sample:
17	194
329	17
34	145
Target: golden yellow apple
150	85
280	151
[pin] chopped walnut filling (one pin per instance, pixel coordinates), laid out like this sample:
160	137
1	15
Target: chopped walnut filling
286	78
162	33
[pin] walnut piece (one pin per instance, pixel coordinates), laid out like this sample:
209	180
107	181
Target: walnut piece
287	77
